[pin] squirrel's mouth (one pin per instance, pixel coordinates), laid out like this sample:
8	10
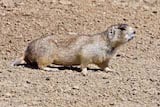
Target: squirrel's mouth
130	38
132	35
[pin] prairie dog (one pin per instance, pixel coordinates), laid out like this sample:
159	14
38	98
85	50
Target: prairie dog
78	49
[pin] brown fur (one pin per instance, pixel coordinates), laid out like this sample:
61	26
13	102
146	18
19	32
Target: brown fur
78	50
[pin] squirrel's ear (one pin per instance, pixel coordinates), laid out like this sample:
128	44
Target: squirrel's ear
122	26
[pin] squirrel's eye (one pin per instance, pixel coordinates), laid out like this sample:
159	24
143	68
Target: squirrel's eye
111	32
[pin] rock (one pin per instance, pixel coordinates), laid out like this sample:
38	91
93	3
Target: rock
75	87
28	82
104	77
155	12
47	78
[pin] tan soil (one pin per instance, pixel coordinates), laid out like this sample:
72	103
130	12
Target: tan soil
138	62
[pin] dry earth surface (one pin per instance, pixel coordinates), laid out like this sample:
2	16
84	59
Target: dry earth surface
138	62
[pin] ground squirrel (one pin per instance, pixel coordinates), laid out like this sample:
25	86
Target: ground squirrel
80	50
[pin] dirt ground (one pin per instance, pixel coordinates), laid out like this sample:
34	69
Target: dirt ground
138	62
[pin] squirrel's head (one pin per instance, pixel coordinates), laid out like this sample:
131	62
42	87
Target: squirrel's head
120	33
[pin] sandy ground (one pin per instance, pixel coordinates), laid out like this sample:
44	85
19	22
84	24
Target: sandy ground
138	62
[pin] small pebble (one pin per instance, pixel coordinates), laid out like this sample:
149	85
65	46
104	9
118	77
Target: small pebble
28	82
9	70
112	104
76	87
104	77
155	12
47	78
